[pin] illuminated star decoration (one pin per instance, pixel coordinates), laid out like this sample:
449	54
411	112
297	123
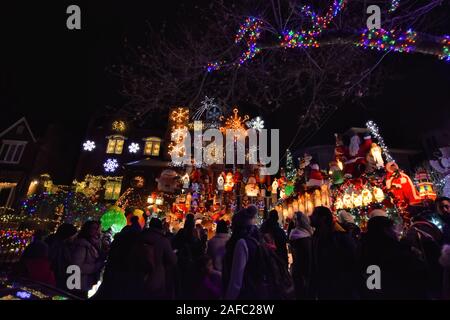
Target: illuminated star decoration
256	123
133	147
383	40
89	145
235	121
206	104
375	132
111	165
119	126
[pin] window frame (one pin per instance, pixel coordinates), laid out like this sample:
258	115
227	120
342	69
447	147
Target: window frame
113	142
116	189
154	141
15	156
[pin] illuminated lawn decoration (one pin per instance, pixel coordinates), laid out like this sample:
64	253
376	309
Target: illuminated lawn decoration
114	219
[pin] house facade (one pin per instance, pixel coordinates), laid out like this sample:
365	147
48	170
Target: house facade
115	156
18	151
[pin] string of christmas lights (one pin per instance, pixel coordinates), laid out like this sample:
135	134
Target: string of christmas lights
251	31
394	5
383	40
376	39
445	55
305	39
375	132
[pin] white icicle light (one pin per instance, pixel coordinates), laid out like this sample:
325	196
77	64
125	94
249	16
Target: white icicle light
374	131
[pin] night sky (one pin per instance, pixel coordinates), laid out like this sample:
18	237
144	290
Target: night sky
58	77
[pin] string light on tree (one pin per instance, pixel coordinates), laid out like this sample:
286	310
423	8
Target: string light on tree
111	165
375	132
89	145
133	147
394	5
308	38
251	31
445	55
383	40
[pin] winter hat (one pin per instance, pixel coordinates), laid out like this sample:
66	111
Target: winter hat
245	216
155	223
65	231
378	224
377	213
345	217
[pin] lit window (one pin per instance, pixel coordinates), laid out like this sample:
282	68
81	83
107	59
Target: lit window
152	146
112	190
115	144
11	151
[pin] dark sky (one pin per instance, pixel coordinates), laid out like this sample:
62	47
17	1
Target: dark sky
56	76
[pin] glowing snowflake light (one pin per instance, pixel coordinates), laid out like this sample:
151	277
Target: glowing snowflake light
111	165
256	123
89	145
133	147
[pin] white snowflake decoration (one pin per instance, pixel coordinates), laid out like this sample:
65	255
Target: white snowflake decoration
133	147
256	123
89	145
111	165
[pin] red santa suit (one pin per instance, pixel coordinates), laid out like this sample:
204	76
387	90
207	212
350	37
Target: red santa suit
315	176
401	185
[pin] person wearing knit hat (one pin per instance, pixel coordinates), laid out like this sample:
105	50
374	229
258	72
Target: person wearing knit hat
240	264
346	217
347	222
377	213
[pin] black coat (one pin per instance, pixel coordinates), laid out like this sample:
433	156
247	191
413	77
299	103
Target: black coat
302	265
279	237
402	273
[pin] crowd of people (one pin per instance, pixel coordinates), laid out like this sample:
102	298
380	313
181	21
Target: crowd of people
320	257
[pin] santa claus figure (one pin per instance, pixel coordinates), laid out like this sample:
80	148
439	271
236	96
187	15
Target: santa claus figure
401	186
315	177
357	151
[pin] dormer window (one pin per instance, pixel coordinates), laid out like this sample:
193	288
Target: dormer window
152	146
115	144
11	151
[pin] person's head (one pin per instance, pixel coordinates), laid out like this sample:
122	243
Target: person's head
381	227
377	213
66	231
134	220
302	221
222	227
205	265
245	217
273	215
322	219
443	205
346	217
39	235
155	223
90	230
